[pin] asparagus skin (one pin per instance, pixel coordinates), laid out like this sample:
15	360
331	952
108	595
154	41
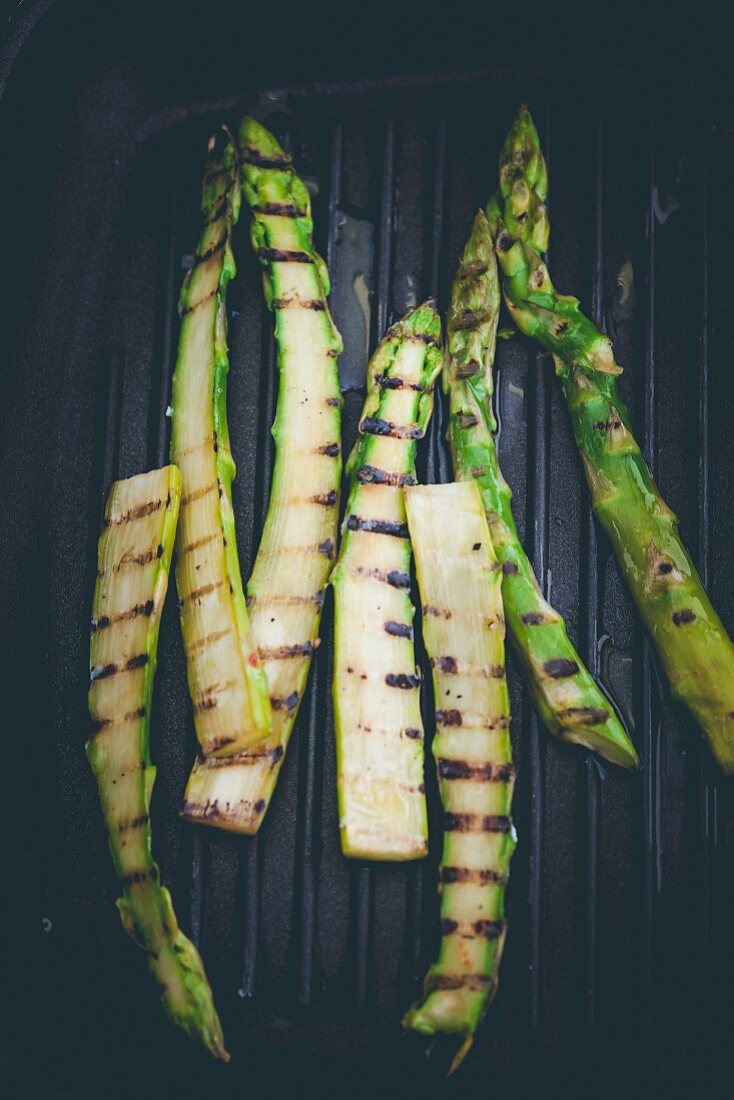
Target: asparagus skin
227	684
285	593
133	564
564	692
459	577
694	649
379	731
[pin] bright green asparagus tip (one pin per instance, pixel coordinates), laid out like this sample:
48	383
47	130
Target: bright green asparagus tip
519	204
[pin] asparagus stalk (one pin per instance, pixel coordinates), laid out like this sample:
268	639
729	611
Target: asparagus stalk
285	593
379	731
694	649
459	577
227	684
134	560
564	692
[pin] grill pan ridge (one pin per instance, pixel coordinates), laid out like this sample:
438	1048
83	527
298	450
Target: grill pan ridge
619	957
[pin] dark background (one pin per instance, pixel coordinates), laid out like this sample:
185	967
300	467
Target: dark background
619	961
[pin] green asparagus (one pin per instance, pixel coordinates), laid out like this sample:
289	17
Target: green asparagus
133	564
227	684
694	649
464	631
285	593
567	697
379	732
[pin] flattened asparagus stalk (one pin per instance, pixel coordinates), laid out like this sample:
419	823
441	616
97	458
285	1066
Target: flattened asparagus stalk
285	593
133	564
567	697
228	687
464	631
694	649
379	732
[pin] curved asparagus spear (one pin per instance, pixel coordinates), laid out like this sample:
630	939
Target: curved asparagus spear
694	649
228	687
285	593
464	631
379	732
133	563
567	697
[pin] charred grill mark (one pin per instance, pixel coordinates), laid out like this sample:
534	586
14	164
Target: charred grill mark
375	425
132	613
398	630
448	718
560	668
402	680
316	304
611	425
103	672
218	211
327	547
284	652
445	664
509	568
468	370
208	699
133	823
284	256
533	618
474	876
198	494
198	543
150	874
489	929
118	720
212	250
138	512
280	210
684	616
421	338
246	760
288	702
286	601
470	319
209	439
476	823
206	640
251	156
191	306
332	402
221	742
378	526
476	982
471	270
587	716
199	593
412	733
394	577
437	612
135	559
389	381
491	772
333	450
372	475
328	500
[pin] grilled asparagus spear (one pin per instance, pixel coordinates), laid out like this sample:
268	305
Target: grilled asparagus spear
464	630
228	687
567	697
694	649
379	732
286	590
134	560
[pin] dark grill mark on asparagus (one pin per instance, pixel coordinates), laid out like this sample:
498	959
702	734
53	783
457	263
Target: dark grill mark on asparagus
588	716
560	668
397	579
473	823
198	543
190	307
533	618
211	251
136	877
471	270
378	526
198	593
399	630
131	715
445	664
105	671
221	742
333	402
476	876
132	613
251	156
490	929
491	772
289	702
206	640
475	982
372	475
402	680
134	823
470	319
283	652
327	499
286	601
421	338
665	567
300	303
684	616
330	449
284	256
375	425
327	547
437	612
448	718
280	209
198	494
413	734
468	370
138	512
509	568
